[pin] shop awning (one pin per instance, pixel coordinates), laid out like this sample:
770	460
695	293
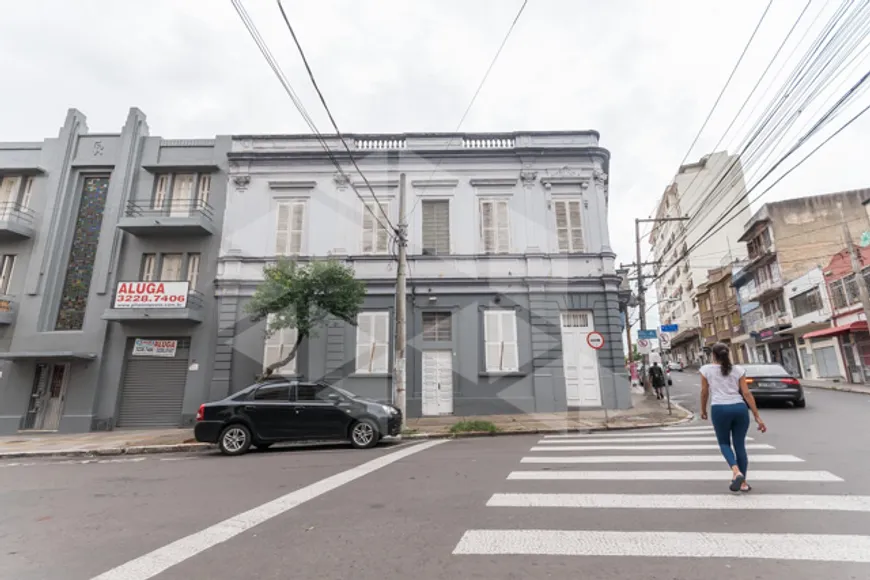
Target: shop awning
854	327
49	355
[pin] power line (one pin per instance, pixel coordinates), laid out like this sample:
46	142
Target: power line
476	93
329	113
288	88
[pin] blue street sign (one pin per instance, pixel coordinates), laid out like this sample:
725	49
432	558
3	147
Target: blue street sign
646	334
670	327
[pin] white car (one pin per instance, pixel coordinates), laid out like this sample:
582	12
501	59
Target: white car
675	366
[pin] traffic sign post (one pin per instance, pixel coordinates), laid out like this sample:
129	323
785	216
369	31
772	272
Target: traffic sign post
671	328
647	334
644	346
595	340
665	341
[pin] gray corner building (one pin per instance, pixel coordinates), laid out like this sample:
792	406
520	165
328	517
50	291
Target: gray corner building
514	300
108	248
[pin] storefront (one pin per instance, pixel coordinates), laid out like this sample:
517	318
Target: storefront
841	352
153	383
776	347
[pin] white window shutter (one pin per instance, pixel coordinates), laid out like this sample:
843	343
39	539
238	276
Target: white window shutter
272	346
297	225
171	267
6	273
500	341
28	193
575	218
160	192
562	228
282	229
487	226
193	270
569	227
204	190
510	355
372	342
149	263
368	227
503	231
382	339
364	336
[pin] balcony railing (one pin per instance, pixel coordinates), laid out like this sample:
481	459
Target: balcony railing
765	287
16	220
178	216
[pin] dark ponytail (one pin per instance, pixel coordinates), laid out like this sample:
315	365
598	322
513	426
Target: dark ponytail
723	357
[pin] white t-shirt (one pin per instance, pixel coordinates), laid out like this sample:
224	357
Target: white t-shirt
724	390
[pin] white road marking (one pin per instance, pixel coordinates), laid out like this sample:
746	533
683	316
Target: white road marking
624	435
155	562
660	544
718	475
631	440
844	503
715	458
688	447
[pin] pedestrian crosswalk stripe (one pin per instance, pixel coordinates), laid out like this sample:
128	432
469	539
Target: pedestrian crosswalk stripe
661	544
624	435
846	503
681	447
718	475
631	440
713	458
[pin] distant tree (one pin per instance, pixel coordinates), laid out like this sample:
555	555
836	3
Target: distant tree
303	297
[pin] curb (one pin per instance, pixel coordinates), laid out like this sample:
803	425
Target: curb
844	389
476	434
110	451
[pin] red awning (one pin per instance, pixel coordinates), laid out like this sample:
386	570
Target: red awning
855	326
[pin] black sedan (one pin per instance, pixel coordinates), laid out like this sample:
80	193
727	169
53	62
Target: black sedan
282	410
771	382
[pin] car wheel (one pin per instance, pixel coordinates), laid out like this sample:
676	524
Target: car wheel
235	440
364	434
801	404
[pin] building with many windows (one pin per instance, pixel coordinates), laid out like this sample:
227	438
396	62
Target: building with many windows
719	310
108	252
510	267
809	307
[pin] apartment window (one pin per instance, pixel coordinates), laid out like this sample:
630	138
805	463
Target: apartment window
171	267
279	346
853	293
376	238
806	302
709	330
372	342
6	265
495	226
148	270
289	229
193	270
500	341
735	319
569	228
838	294
176	192
437	326
436	227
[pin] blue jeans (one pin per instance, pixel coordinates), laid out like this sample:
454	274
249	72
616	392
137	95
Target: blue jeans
731	422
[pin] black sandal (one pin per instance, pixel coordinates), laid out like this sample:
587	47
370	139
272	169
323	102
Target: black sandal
737	482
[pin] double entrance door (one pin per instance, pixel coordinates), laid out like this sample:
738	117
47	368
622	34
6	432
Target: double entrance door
47	397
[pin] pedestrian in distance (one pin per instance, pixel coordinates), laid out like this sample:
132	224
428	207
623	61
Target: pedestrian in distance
657	377
723	385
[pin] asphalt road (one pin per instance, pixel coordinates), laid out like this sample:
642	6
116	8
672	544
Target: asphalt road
600	506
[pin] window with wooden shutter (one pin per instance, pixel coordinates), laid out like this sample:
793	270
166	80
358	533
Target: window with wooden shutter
170	267
289	228
8	194
27	194
278	346
193	270
495	226
436	227
375	237
149	267
372	342
569	228
500	341
203	190
161	192
182	193
6	265
437	326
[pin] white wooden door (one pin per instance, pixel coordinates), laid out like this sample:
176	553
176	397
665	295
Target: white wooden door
182	195
582	381
437	382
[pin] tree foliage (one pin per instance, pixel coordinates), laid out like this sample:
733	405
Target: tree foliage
303	297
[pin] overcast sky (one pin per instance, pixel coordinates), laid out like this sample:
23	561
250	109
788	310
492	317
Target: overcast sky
642	73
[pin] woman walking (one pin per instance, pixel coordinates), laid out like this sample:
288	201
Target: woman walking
723	385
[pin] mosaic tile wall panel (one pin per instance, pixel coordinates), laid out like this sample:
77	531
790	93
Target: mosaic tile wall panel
83	254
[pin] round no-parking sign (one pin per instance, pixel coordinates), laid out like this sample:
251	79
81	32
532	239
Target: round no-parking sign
595	340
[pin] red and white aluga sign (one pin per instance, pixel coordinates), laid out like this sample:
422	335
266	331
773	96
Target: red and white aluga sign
151	294
595	340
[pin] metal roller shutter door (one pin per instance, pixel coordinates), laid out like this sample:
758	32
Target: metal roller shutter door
153	389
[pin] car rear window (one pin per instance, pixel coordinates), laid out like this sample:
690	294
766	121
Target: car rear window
765	371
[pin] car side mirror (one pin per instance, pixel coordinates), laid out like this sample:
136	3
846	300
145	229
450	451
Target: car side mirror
336	399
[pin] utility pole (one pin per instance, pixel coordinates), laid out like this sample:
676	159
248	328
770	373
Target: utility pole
399	362
856	266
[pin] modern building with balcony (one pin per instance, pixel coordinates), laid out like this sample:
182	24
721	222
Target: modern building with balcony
108	252
808	304
510	267
682	249
785	240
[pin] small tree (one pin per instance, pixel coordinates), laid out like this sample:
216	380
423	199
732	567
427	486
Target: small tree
303	297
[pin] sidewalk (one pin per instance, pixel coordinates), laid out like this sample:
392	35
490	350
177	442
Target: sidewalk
836	386
647	412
